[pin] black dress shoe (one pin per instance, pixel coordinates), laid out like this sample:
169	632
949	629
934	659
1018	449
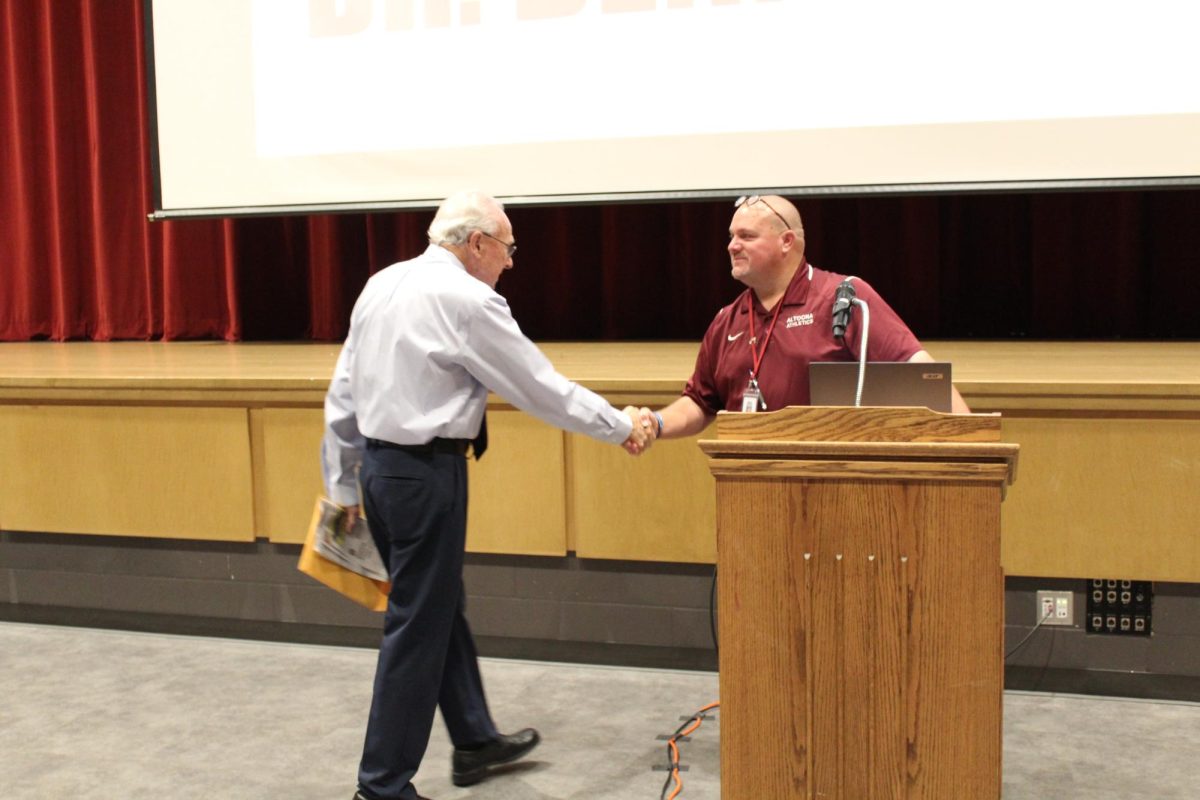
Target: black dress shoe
471	766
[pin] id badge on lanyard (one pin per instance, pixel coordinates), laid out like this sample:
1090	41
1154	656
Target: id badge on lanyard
752	399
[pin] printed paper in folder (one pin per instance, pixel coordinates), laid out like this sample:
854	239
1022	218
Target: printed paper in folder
354	549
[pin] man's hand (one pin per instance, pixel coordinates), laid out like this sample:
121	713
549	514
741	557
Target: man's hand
350	516
643	433
650	420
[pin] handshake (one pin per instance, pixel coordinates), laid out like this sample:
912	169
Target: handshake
646	428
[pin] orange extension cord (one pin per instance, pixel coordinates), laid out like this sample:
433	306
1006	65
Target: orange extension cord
685	729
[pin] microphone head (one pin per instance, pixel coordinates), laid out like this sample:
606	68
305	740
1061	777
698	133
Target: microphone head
843	298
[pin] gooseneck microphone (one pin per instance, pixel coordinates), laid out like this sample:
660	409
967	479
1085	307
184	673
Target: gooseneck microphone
845	299
843	304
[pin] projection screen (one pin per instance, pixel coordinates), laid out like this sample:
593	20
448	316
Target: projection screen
278	106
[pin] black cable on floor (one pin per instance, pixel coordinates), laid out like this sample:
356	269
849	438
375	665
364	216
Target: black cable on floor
695	719
1021	643
690	724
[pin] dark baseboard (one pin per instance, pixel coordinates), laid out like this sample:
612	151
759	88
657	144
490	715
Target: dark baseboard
599	653
617	655
336	635
1034	679
1108	683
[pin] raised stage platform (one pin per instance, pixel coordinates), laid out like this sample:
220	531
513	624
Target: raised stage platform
217	441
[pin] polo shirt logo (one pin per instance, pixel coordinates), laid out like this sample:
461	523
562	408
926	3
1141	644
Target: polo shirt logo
797	320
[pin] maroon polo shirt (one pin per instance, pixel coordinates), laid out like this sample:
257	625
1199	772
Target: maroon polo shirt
803	333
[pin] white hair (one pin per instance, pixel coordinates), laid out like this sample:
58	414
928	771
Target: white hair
464	212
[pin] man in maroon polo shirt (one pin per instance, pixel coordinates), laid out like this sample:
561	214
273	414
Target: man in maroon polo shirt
756	352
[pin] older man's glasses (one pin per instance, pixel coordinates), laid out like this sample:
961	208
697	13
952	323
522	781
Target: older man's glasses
749	200
511	247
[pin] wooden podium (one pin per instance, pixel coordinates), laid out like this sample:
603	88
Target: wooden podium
861	602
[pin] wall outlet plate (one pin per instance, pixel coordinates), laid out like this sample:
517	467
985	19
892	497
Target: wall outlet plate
1055	608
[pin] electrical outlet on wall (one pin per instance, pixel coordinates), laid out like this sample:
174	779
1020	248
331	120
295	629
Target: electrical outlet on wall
1055	608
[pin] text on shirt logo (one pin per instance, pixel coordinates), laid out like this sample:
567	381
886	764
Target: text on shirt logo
797	320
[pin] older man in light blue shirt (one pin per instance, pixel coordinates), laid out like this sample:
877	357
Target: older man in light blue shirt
429	338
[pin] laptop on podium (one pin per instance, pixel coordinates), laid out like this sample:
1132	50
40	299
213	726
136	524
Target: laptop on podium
885	383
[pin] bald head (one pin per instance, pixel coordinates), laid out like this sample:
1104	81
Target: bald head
766	244
774	209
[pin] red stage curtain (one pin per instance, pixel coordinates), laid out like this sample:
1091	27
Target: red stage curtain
79	260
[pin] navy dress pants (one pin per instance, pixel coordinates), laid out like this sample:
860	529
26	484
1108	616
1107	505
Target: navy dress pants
416	505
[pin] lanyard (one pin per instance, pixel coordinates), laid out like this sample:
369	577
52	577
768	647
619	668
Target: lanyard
757	355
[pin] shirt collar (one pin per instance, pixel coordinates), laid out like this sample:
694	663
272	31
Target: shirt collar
796	293
436	252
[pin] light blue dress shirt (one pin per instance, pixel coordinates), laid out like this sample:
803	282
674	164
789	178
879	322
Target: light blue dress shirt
427	342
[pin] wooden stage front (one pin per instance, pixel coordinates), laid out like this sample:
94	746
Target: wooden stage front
209	440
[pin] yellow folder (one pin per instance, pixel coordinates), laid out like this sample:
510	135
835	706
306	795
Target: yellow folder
363	590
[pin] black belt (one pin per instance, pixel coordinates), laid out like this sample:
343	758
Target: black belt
455	446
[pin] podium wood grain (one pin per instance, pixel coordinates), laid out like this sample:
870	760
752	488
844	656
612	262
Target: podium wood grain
861	617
